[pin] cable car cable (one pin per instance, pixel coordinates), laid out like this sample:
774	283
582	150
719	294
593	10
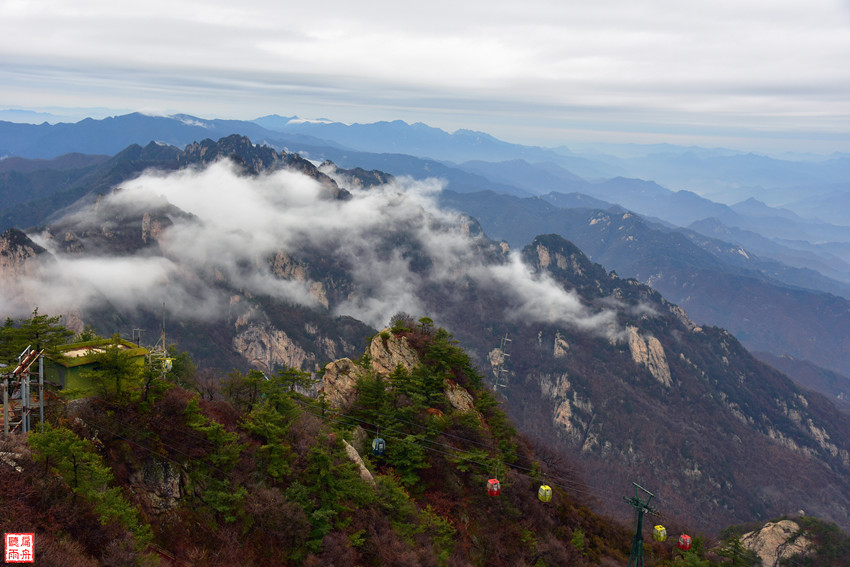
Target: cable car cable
395	418
576	484
566	484
569	489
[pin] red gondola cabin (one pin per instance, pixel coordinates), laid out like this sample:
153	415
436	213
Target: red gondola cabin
684	542
493	487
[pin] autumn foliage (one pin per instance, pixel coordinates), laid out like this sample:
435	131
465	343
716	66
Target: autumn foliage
251	472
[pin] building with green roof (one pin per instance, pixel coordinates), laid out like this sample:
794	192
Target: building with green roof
68	365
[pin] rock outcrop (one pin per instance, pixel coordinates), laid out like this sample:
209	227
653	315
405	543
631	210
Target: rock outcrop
387	351
776	541
285	267
460	399
573	414
339	381
546	258
562	347
161	484
648	351
358	461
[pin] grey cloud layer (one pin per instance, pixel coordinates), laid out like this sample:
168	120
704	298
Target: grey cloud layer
509	69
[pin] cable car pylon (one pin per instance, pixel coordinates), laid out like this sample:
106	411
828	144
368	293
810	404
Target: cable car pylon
641	507
499	369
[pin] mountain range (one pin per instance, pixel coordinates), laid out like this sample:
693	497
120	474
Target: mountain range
792	260
599	363
474	161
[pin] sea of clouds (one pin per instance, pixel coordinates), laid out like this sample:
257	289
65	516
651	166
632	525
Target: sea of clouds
234	223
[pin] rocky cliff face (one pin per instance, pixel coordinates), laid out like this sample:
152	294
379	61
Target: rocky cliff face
285	267
573	413
20	258
647	351
776	541
17	251
265	348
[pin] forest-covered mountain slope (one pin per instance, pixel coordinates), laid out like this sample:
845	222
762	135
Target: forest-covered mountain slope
392	462
262	475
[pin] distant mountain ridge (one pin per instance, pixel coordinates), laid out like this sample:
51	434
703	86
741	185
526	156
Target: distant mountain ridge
718	173
111	135
399	137
691	271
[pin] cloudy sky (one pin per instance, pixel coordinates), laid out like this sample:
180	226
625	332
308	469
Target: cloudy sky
749	74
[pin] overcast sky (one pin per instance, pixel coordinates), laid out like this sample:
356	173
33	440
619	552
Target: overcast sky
749	74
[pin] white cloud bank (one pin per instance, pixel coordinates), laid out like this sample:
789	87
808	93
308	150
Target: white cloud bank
236	223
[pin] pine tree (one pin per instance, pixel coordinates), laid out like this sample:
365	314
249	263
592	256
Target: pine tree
38	331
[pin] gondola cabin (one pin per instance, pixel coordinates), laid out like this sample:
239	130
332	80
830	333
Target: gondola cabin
545	493
659	533
493	487
684	542
379	447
